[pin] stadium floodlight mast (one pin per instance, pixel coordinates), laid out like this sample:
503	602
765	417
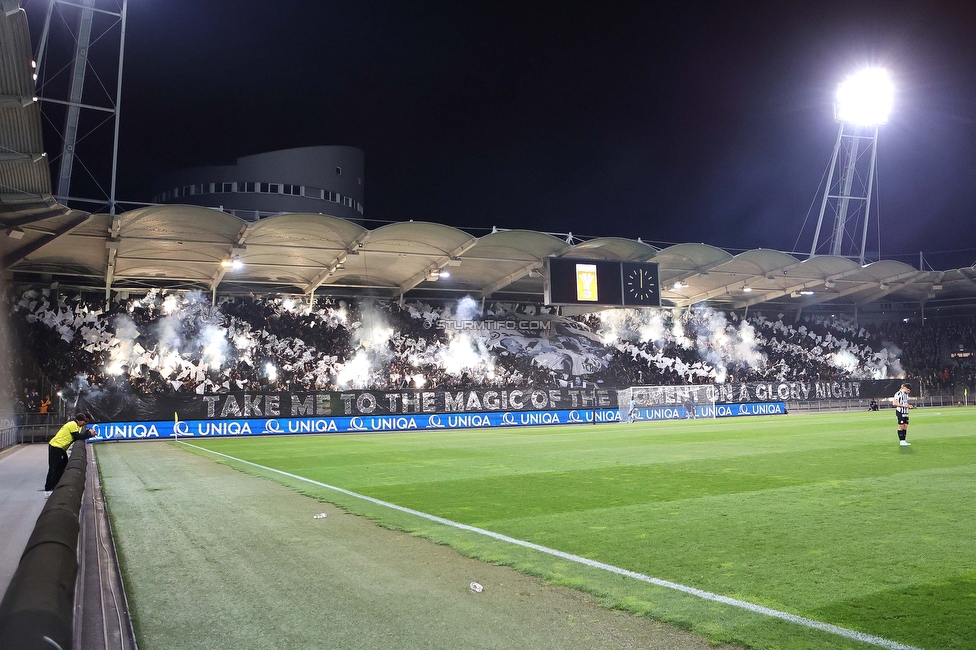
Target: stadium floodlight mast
863	103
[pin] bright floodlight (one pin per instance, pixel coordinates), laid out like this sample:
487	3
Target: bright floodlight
865	97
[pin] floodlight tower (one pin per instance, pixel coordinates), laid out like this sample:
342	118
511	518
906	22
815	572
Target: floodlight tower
863	102
61	84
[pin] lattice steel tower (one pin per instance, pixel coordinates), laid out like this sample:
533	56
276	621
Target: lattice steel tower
77	62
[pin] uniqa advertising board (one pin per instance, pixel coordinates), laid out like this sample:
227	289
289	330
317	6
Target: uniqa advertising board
417	422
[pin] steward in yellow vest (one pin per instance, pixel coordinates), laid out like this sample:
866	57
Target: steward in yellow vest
57	450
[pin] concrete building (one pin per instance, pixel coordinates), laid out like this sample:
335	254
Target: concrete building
325	180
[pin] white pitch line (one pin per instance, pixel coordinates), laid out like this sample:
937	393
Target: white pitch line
706	595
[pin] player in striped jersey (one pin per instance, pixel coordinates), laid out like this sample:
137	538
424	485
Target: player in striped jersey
901	404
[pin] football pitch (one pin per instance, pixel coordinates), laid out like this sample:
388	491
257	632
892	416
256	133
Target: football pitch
821	518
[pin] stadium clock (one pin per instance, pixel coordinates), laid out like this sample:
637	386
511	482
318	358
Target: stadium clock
641	284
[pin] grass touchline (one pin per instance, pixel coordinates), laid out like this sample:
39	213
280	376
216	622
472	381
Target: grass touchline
759	609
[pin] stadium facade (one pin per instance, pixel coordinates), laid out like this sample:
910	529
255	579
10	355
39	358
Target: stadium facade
322	180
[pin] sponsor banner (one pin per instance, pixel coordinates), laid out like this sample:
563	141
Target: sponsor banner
784	391
709	411
390	423
114	407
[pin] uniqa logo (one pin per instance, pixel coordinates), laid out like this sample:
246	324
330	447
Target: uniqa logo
470	420
434	422
229	428
319	425
356	424
508	419
272	426
138	430
392	424
182	429
539	417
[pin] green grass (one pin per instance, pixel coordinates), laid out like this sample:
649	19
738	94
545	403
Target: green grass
821	516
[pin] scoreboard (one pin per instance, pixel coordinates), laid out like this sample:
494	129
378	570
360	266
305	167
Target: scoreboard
603	283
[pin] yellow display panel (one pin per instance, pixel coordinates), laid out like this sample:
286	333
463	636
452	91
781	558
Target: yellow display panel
586	286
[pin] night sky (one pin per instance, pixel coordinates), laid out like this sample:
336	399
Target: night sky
674	122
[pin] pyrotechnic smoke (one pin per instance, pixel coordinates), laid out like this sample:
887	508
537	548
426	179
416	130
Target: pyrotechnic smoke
355	372
171	303
169	333
721	344
123	352
213	341
467	309
845	361
712	339
893	358
678	334
614	325
373	331
718	343
80	388
642	325
746	347
652	327
371	334
337	316
466	350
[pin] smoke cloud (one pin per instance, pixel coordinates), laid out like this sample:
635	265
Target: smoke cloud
719	344
123	353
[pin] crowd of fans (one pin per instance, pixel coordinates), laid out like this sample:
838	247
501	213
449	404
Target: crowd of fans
166	343
938	352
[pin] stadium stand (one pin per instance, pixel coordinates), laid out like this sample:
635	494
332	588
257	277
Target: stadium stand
172	343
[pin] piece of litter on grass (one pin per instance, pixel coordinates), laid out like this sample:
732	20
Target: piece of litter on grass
475	587
321	515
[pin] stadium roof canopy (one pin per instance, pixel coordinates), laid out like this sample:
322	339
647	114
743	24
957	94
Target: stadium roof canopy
189	247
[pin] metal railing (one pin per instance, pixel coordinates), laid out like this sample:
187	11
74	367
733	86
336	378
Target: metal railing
31	418
935	399
8	437
39	428
31	433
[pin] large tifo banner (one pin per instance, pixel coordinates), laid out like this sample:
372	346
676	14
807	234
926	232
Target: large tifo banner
783	391
122	407
108	406
390	423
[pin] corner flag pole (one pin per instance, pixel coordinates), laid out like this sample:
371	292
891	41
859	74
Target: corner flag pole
176	429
